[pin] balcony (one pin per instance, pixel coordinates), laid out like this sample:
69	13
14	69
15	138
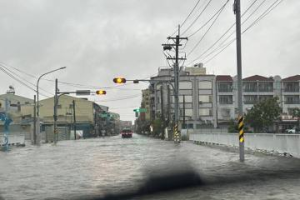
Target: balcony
291	87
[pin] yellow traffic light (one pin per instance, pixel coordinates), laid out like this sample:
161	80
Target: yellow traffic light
101	92
119	80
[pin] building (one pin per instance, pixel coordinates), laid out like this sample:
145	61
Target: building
87	115
11	104
211	101
196	89
146	104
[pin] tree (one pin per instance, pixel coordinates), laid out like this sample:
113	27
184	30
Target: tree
296	114
263	114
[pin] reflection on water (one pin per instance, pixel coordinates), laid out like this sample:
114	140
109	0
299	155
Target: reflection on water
115	165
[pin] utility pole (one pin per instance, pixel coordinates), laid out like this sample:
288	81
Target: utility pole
162	111
74	117
34	120
177	44
183	123
237	12
55	112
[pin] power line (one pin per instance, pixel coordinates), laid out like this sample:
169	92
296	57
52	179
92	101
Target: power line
197	17
223	35
209	28
190	13
264	14
192	34
118	99
77	85
21	78
20	81
187	16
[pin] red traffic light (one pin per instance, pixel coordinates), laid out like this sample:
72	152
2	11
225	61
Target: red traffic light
101	92
119	80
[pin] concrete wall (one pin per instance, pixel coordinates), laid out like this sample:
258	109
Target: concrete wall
277	143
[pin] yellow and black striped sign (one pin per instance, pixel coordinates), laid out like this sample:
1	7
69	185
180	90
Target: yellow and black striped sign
176	134
241	129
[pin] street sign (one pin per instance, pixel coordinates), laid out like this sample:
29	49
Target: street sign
83	92
139	110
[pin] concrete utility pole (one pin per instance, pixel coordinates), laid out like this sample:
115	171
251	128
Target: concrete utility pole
237	11
177	44
34	120
74	117
183	122
162	111
55	113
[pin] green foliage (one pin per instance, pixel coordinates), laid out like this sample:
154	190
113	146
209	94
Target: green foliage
263	114
296	114
157	123
233	127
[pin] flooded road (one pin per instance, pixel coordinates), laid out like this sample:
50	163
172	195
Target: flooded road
93	167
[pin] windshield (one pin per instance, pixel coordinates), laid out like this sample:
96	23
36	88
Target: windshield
150	99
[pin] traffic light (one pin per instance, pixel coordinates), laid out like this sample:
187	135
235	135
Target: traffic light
119	80
101	92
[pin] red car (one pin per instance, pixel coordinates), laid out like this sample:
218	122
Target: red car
126	133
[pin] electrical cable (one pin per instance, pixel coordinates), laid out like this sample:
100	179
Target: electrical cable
208	28
264	14
220	47
192	34
197	17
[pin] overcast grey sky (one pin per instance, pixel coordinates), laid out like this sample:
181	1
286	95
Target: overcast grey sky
101	39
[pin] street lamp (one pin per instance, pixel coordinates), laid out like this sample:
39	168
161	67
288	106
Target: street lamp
37	88
37	131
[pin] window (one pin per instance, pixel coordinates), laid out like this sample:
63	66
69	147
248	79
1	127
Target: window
265	97
188	112
250	87
250	99
225	87
225	99
59	106
185	85
291	87
291	99
205	112
205	98
188	99
205	85
265	86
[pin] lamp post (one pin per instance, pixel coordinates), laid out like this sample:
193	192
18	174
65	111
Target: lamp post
38	102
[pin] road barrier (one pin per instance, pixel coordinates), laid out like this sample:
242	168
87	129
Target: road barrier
13	140
273	143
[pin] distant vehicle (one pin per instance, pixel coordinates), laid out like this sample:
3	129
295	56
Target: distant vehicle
290	130
126	133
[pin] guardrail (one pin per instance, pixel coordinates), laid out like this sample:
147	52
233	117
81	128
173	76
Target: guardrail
273	143
13	140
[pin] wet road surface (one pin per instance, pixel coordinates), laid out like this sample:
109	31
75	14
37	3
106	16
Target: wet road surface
94	167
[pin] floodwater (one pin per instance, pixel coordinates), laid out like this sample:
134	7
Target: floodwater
112	165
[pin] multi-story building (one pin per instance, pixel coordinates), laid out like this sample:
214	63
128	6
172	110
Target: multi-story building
11	104
196	94
146	104
225	100
212	100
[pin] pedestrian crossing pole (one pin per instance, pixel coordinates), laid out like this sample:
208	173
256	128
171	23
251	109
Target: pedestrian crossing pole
237	12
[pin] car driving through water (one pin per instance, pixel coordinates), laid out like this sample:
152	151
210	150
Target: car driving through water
126	133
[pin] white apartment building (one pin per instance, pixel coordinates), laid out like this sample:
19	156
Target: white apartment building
211	101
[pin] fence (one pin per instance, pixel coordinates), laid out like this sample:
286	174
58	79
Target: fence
273	143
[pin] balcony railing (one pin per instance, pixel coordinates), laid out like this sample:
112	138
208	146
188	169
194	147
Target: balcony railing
292	102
